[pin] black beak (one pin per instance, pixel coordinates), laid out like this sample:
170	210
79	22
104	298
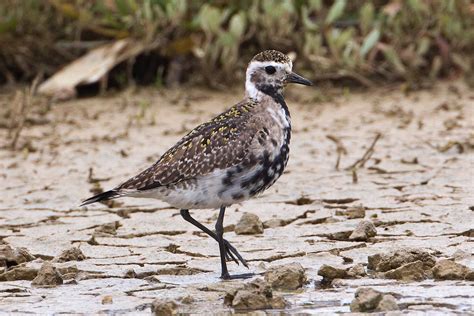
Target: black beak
295	78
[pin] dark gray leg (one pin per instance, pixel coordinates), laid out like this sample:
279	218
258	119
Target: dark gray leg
220	239
231	252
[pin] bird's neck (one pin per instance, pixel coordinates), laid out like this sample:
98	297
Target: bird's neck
266	91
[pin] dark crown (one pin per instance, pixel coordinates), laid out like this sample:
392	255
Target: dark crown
271	55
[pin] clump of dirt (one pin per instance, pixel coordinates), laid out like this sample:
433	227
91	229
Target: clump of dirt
413	271
107	300
10	257
368	300
19	273
273	223
130	274
164	307
257	294
286	277
363	231
48	276
330	273
249	224
107	229
179	270
382	262
70	254
352	212
450	270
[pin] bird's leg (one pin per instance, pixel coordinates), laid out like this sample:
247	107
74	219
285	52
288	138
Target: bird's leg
231	252
220	239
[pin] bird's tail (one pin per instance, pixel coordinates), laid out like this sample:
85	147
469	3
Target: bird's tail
104	196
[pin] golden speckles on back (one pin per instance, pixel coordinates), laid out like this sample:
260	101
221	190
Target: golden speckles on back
220	143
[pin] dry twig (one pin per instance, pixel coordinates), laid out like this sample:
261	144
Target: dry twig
340	149
368	153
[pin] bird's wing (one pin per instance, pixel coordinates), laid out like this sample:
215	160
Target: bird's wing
220	143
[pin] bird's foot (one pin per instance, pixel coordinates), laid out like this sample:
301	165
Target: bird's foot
233	254
241	276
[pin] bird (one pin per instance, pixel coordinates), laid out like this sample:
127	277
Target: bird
231	158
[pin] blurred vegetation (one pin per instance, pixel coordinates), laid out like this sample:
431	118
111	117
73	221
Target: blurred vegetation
367	41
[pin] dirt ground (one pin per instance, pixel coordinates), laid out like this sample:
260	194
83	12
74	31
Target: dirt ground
416	187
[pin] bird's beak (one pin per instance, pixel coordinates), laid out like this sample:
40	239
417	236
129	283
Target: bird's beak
295	78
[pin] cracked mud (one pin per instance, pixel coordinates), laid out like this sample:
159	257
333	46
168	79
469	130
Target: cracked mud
348	201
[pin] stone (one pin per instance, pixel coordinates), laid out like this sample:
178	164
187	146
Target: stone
257	294
388	303
273	223
188	299
19	273
164	307
363	231
330	273
450	270
286	277
11	257
384	262
107	300
107	229
357	211
48	276
249	224
413	271
70	254
366	300
358	270
130	274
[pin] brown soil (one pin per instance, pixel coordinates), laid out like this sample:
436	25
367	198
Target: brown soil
415	184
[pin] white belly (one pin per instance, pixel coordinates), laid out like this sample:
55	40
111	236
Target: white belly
207	191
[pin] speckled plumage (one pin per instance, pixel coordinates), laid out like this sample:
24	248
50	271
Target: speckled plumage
229	159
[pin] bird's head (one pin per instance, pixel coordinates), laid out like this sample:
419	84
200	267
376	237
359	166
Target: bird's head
269	72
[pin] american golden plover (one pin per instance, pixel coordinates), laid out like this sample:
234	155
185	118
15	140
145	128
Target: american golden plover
229	159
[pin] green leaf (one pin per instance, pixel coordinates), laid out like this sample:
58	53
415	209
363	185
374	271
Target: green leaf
393	58
210	18
237	25
336	11
366	17
370	41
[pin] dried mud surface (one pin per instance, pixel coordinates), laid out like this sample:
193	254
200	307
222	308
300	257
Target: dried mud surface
416	188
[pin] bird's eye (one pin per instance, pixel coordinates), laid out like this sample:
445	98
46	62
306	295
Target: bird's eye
270	70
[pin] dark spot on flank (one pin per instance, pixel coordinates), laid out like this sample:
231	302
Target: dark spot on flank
274	142
237	196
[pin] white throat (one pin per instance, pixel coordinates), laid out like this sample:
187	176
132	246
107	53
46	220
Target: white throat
251	90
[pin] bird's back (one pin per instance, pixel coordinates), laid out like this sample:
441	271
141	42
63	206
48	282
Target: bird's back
231	158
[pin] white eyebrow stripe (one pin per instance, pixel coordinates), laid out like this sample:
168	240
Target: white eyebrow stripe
257	64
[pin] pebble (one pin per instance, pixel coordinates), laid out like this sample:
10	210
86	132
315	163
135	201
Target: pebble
383	262
107	300
450	270
363	231
257	294
249	224
413	271
48	276
11	257
70	254
164	307
370	300
286	277
19	273
330	273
